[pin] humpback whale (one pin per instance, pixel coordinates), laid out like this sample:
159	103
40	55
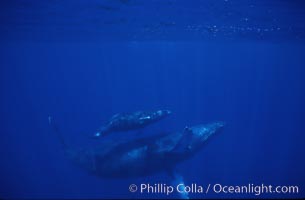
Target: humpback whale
142	156
130	121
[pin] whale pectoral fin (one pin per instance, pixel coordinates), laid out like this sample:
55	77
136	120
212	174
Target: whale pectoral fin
145	118
177	179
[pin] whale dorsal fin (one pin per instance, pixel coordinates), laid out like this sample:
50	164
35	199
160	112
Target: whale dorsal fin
187	134
187	130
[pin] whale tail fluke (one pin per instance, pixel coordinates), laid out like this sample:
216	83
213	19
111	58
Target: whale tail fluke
57	132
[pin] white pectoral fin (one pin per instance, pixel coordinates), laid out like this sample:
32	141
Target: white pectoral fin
178	181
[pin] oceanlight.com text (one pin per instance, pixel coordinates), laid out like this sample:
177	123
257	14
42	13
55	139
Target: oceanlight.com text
255	189
195	188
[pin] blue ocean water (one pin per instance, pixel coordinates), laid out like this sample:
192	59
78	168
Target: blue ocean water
80	62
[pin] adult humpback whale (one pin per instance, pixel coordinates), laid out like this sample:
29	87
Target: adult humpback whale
144	156
131	121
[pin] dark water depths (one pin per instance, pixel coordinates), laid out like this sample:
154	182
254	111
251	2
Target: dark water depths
242	62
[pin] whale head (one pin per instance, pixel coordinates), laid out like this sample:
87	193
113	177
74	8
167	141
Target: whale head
192	139
203	132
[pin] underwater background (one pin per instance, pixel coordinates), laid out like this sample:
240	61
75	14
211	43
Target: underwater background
239	61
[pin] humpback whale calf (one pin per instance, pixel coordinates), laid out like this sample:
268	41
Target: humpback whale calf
131	121
142	156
